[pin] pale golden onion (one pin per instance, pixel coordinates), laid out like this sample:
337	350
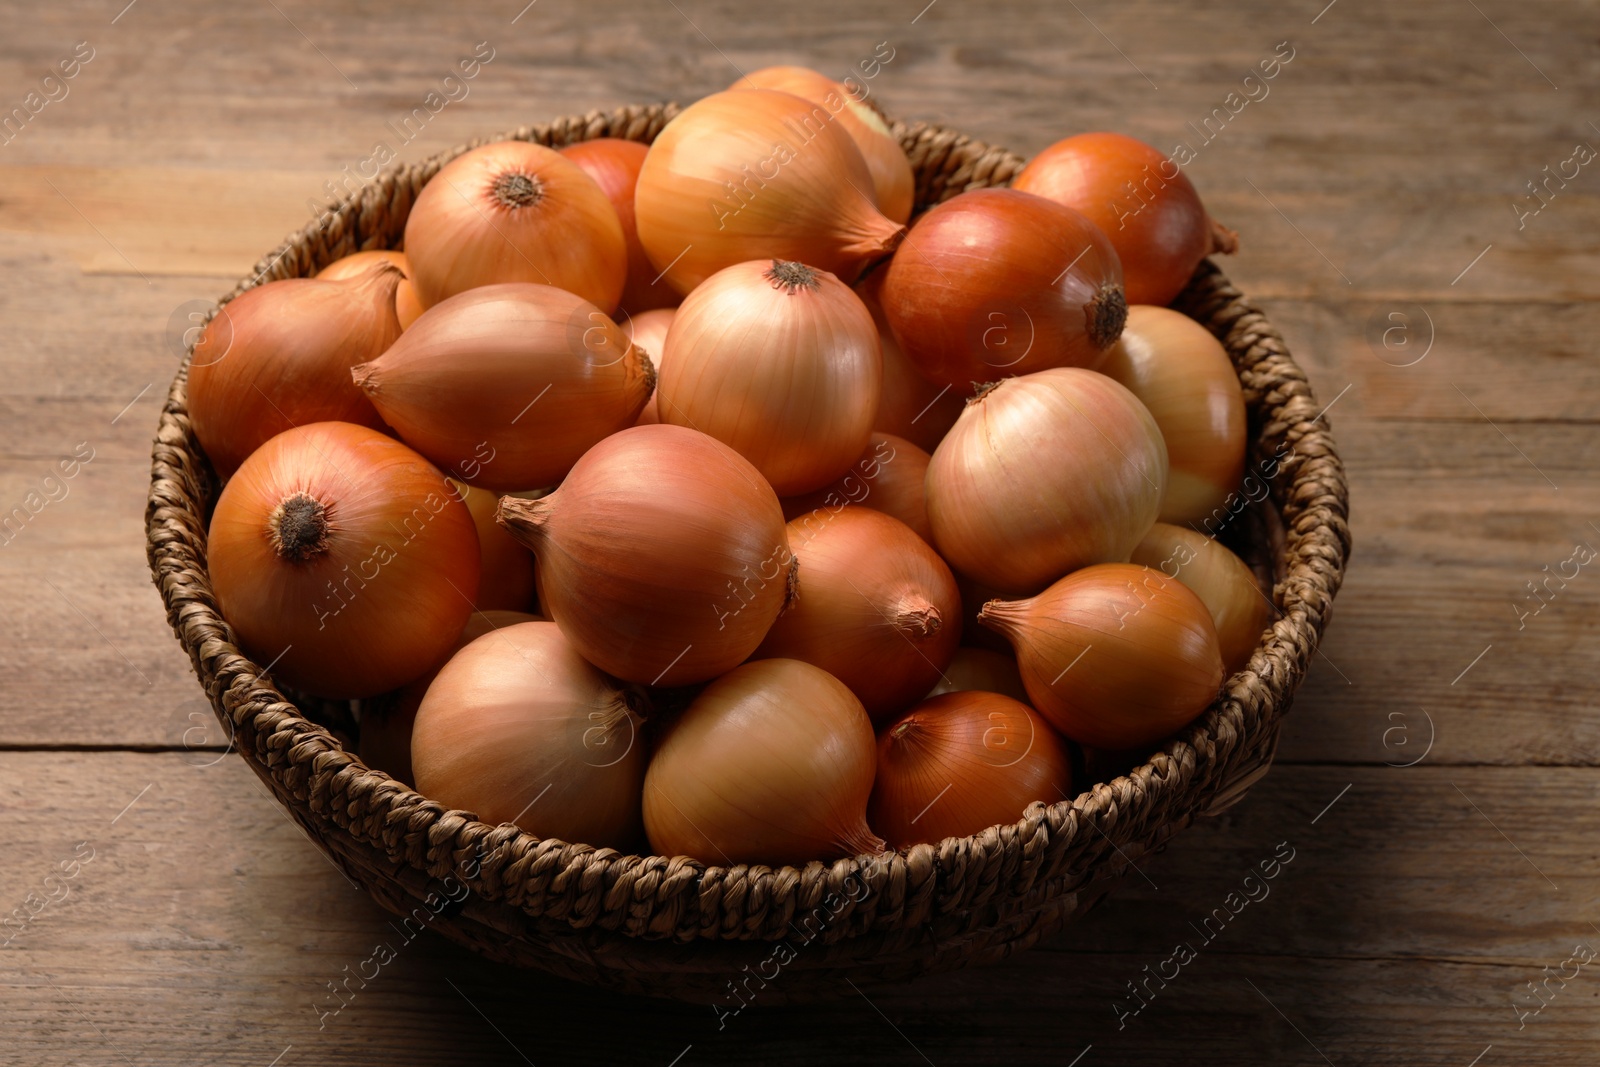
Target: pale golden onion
889	477
1219	578
983	670
406	304
648	331
911	407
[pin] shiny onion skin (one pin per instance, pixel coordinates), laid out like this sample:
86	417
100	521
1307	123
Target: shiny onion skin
279	356
876	607
1219	578
893	184
663	555
1115	656
889	477
648	331
995	282
517	728
1146	205
406	305
1184	377
960	763
515	212
614	165
505	386
343	559
505	581
983	670
772	764
781	363
911	406
799	190
1044	474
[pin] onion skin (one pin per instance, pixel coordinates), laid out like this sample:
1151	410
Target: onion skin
372	581
406	304
279	356
995	282
663	555
1183	375
517	728
614	165
505	580
1115	656
505	386
648	331
515	212
799	190
982	670
1044	474
876	608
911	406
771	764
1159	226
889	477
960	763
1219	578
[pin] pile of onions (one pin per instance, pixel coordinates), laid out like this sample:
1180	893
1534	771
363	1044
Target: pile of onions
772	763
889	477
758	174
663	555
1228	588
779	361
517	728
1044	474
1115	655
960	763
279	355
614	165
876	608
406	304
343	559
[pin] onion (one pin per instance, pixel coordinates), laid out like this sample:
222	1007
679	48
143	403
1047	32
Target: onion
614	165
279	355
780	362
505	580
517	728
772	764
515	212
889	477
982	670
960	763
1115	655
893	184
1044	474
648	331
1143	202
911	407
662	556
406	305
1184	377
758	174
996	282
505	386
876	607
974	595
342	559
1219	578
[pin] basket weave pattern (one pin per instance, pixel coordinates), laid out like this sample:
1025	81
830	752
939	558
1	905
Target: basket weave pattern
676	927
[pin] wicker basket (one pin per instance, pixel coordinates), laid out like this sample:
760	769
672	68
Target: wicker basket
675	927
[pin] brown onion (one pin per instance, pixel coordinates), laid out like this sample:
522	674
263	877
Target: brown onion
1219	578
984	670
614	165
406	305
888	477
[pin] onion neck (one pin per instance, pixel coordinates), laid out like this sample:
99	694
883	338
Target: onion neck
514	190
1105	314
1223	240
1004	617
297	529
526	520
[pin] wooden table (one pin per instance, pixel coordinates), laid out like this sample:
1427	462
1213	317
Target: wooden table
1437	782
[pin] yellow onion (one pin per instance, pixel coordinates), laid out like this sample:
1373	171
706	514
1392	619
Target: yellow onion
1184	377
515	212
758	174
517	728
1044	474
876	607
771	764
780	362
505	582
505	386
983	670
614	165
662	556
1219	578
1114	655
406	305
889	477
648	332
911	407
960	763
893	184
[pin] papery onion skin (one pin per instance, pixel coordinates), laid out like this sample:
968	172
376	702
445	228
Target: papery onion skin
1044	474
505	386
911	406
876	607
1115	656
982	670
889	477
1219	578
343	559
960	763
505	581
648	331
994	282
1141	199
406	304
517	728
772	763
514	211
779	361
800	190
614	165
279	355
663	555
1183	375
